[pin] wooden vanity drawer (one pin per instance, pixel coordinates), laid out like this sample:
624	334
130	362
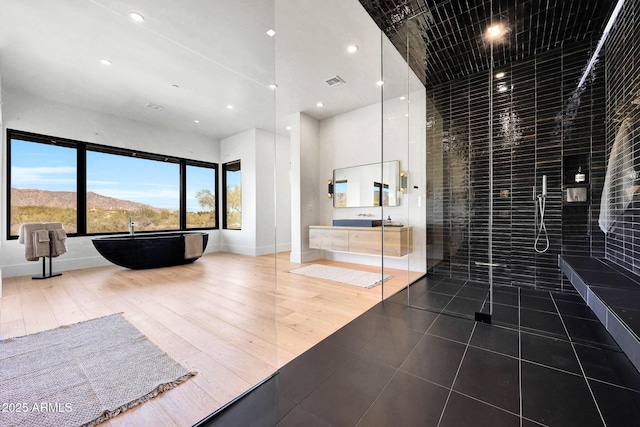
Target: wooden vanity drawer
330	239
398	241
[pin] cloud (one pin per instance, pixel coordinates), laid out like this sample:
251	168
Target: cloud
43	177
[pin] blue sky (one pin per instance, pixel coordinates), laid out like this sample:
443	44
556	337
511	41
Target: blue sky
42	166
53	168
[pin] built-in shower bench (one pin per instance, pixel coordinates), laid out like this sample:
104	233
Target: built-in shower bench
614	296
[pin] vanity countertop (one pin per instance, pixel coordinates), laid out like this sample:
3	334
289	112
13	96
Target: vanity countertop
392	227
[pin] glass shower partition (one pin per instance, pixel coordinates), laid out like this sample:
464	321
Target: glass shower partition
404	140
457	202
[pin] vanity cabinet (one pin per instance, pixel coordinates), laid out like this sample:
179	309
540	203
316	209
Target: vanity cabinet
398	241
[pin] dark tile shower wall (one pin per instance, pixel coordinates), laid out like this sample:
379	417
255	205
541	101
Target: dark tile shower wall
538	120
623	102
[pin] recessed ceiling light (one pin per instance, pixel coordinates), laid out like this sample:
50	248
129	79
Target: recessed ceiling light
288	127
175	86
500	75
380	82
229	107
320	104
402	98
196	121
136	17
271	33
352	48
273	86
495	31
105	62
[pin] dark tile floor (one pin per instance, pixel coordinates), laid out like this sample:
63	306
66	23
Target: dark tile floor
543	361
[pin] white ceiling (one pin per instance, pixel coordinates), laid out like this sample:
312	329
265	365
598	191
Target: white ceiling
217	52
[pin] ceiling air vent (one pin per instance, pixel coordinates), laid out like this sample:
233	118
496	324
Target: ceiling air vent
153	106
334	81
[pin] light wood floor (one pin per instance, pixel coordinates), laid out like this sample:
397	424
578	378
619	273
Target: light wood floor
234	319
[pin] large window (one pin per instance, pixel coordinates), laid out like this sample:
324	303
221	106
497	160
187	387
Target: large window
201	197
121	187
232	176
43	184
95	189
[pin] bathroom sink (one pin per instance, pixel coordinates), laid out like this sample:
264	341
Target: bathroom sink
360	222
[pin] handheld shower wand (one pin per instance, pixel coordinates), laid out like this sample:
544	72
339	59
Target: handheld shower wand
542	228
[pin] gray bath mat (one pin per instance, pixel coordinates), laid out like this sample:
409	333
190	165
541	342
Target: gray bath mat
82	374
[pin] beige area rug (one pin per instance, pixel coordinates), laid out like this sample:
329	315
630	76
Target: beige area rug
82	374
363	279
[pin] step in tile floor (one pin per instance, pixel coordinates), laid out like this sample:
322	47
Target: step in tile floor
545	360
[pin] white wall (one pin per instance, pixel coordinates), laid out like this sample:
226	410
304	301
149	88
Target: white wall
241	147
305	189
260	153
273	198
355	138
33	114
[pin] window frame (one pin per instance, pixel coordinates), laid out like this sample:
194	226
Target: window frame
225	225
81	178
183	194
40	139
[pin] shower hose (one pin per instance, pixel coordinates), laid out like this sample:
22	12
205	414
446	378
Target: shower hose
542	229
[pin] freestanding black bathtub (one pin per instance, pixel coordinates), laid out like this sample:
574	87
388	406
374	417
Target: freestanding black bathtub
148	250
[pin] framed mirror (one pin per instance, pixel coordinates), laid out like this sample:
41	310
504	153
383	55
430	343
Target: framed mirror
371	185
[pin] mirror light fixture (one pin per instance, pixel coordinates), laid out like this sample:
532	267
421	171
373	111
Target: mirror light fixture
403	182
330	189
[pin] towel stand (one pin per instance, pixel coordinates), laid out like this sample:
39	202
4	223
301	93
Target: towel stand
51	273
34	235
